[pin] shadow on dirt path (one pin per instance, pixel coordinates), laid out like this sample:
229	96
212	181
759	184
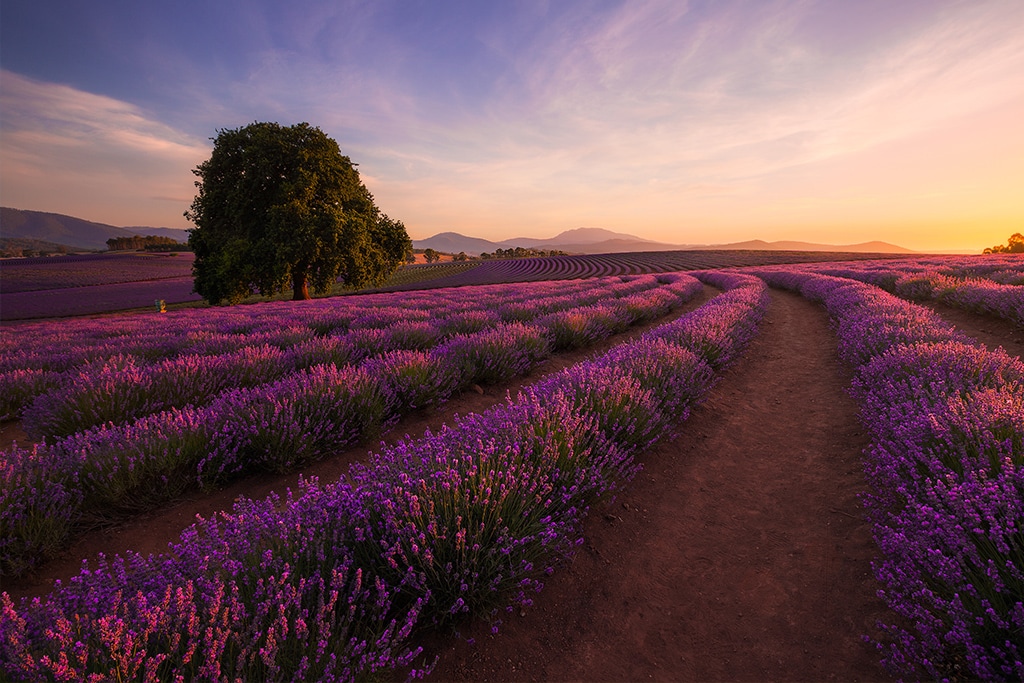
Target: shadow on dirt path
739	553
991	330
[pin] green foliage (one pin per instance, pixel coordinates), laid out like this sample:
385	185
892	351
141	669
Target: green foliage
521	252
1014	245
279	206
137	242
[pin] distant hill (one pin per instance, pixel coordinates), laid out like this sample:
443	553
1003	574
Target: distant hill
74	233
600	241
581	237
453	243
875	247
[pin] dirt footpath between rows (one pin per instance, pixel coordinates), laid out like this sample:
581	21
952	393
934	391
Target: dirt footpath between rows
739	553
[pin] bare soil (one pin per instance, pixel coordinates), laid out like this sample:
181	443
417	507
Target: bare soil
739	553
992	331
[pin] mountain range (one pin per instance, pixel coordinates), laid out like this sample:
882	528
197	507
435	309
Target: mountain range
77	233
74	233
601	241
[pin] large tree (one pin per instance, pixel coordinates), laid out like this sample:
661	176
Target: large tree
281	206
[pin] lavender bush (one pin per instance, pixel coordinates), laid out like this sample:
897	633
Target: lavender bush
330	585
990	284
205	420
37	511
63	376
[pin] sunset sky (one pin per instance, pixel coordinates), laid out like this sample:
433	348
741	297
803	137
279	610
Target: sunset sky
686	122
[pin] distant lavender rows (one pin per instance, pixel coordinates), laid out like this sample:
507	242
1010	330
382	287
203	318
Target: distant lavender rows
601	265
992	284
77	301
68	376
84	270
94	283
333	583
129	433
85	285
946	479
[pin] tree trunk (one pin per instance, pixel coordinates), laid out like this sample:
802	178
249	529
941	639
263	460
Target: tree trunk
300	288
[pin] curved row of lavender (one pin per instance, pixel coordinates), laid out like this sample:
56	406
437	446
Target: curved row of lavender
200	421
101	287
991	284
600	265
946	479
332	583
41	362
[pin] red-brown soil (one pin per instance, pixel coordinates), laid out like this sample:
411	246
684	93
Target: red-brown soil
992	331
739	552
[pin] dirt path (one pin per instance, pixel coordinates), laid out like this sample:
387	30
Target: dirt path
152	532
988	329
739	553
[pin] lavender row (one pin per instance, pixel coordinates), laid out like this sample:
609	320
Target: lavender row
63	272
96	299
601	265
992	284
120	469
332	583
62	345
126	386
114	470
946	480
123	389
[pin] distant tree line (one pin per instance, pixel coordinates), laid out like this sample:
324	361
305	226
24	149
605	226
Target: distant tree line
1015	245
521	252
150	242
15	247
434	256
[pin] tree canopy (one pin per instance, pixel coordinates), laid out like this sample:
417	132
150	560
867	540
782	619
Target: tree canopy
1015	245
279	206
137	242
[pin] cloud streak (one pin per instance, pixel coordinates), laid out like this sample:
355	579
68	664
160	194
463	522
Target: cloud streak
68	149
641	116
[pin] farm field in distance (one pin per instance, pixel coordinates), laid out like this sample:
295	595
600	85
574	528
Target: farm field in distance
86	284
685	465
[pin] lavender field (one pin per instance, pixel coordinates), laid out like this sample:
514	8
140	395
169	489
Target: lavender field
339	580
102	283
63	286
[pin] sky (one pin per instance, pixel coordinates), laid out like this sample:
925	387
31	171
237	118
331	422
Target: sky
832	121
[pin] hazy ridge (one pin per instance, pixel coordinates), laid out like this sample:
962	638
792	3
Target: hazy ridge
600	241
73	233
77	233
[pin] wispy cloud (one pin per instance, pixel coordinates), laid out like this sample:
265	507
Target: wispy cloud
536	116
65	149
657	100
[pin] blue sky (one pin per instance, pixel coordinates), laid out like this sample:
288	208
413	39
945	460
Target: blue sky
686	122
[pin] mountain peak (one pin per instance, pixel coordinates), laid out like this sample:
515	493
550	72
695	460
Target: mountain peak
585	235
